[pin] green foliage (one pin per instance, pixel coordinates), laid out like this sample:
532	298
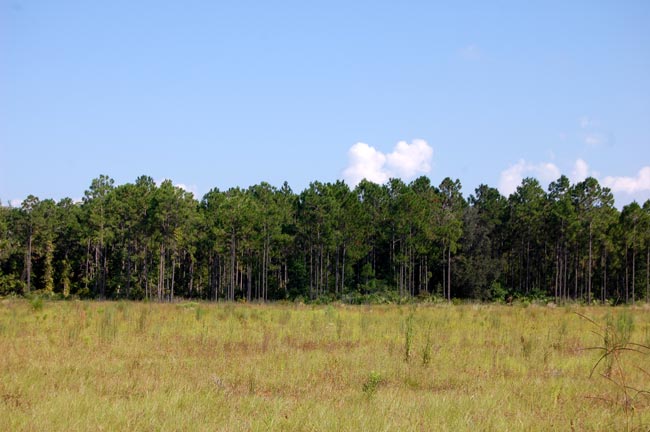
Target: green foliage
376	298
616	336
373	244
324	299
36	302
497	291
10	284
372	383
428	345
408	329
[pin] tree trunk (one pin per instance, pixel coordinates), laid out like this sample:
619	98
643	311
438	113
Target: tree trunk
336	273
627	295
527	266
28	263
343	270
147	294
557	272
161	273
589	276
327	273
171	291
633	274
311	272
191	286
128	271
565	273
575	291
48	276
603	292
647	275
249	277
444	273
320	272
233	278
449	274
87	267
97	288
104	273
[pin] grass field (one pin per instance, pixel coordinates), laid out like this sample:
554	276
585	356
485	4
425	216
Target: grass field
229	367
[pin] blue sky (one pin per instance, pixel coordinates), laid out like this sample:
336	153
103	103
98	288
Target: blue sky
221	94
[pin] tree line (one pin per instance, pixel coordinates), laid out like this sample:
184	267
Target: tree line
146	241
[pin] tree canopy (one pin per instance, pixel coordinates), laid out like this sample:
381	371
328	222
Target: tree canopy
146	241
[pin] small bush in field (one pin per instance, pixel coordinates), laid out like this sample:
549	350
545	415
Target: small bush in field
36	303
372	382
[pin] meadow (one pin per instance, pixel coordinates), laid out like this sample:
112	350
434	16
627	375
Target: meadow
76	365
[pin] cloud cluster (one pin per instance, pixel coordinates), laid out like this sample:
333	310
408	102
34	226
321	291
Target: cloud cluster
580	171
630	185
512	176
406	161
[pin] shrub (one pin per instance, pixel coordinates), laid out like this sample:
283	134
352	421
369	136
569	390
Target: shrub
372	382
11	284
36	302
616	344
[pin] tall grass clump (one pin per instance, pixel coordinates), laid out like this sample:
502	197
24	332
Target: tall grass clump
428	345
615	334
36	303
199	313
620	370
107	325
372	383
143	319
526	346
408	336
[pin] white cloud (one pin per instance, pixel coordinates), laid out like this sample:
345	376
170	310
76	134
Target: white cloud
511	177
405	161
409	160
630	185
580	171
547	171
637	187
17	202
365	162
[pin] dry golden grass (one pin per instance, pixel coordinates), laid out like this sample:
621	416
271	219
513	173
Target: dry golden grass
229	367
